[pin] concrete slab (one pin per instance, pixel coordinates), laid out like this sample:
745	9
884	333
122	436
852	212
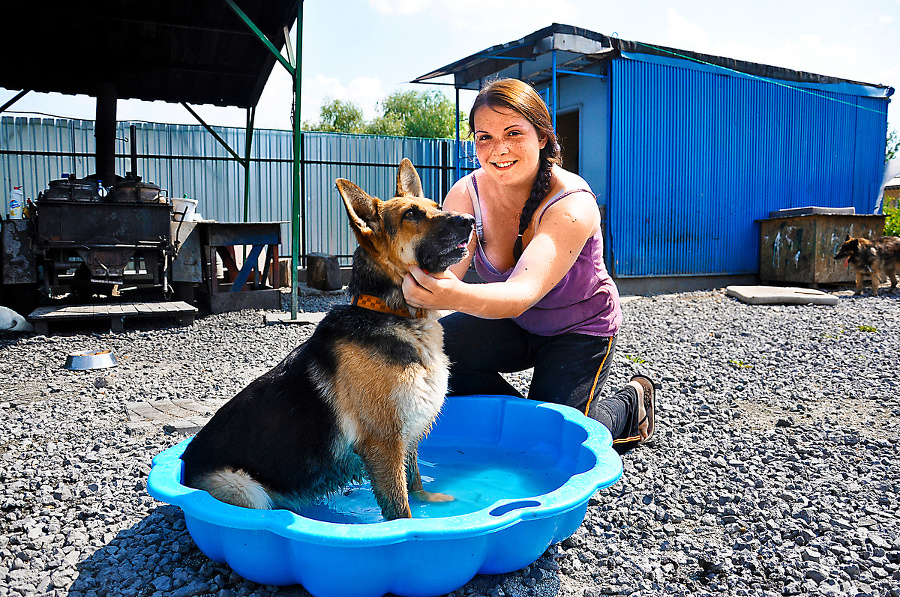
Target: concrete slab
172	416
780	295
302	318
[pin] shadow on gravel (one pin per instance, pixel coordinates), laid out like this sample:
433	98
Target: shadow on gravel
157	556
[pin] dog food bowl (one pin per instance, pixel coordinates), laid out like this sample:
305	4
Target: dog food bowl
90	359
521	472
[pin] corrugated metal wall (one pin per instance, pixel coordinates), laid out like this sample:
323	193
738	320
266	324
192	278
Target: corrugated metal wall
187	160
697	156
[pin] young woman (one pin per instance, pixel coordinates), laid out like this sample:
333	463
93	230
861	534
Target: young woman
548	301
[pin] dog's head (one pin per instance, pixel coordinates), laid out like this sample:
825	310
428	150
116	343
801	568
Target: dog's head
408	229
856	250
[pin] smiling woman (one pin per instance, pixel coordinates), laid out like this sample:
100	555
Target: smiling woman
548	301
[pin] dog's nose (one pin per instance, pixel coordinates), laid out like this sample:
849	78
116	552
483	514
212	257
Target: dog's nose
462	221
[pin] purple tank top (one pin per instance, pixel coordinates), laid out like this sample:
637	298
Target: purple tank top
585	301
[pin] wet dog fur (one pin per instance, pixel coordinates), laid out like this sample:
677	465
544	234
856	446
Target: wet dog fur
355	399
877	258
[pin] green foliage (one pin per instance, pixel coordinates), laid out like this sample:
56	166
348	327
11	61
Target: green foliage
866	328
738	364
428	114
892	147
338	116
891	221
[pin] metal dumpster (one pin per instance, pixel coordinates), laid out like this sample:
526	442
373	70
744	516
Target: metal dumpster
799	249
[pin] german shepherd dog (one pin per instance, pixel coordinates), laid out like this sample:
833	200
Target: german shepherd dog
355	399
872	257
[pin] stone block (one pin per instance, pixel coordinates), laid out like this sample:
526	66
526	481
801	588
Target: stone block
323	272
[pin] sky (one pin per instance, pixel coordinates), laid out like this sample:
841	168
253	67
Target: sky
363	50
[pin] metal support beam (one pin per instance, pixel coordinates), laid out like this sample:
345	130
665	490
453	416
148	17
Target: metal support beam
294	68
251	115
553	101
262	36
457	170
579	73
221	141
105	132
18	96
298	149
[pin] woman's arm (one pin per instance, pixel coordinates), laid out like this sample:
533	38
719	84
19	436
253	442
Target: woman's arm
564	229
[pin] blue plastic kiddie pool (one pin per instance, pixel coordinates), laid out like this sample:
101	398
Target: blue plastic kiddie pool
521	472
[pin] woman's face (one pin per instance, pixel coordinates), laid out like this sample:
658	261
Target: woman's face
507	145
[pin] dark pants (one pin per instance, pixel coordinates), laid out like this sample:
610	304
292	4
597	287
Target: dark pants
569	369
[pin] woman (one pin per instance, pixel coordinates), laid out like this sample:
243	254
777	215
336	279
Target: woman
548	301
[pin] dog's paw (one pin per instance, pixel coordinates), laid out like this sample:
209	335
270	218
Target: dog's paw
432	497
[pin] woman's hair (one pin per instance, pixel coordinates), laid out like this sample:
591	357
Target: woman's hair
520	97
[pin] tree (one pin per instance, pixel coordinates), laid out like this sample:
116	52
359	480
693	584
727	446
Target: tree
892	148
428	114
338	116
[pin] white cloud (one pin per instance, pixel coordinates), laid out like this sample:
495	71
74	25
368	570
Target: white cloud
811	53
488	16
684	35
365	92
399	7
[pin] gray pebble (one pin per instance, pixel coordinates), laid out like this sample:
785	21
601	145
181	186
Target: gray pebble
771	473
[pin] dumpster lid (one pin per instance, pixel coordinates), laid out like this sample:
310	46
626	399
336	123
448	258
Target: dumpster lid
812	210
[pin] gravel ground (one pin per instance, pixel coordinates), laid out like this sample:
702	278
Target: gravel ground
773	470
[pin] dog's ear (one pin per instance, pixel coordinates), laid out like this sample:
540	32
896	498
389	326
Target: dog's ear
361	209
408	182
848	238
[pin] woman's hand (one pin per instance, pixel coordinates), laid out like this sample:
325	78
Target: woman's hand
429	291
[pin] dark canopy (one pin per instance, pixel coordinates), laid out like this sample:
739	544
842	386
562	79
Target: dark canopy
194	51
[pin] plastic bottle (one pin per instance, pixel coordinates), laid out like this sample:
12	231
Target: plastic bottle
16	202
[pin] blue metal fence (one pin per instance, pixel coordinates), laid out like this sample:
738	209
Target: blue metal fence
188	161
697	156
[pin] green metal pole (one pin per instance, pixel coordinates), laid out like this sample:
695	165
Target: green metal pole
298	140
262	37
294	69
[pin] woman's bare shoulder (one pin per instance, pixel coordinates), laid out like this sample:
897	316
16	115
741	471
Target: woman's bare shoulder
458	199
569	181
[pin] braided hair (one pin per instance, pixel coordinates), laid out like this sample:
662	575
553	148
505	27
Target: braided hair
520	97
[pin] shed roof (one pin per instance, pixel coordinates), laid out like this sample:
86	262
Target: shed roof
195	51
577	48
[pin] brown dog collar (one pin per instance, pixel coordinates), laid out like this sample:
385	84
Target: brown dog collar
373	303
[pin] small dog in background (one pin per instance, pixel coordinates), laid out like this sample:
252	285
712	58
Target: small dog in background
355	399
877	258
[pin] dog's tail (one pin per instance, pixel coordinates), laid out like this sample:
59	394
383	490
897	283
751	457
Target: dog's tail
237	487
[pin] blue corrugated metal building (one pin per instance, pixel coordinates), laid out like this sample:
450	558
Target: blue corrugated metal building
686	151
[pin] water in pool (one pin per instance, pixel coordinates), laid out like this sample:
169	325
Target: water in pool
476	478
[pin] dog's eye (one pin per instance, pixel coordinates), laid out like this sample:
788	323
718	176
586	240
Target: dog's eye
412	214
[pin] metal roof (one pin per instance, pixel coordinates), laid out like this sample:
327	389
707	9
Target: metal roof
529	58
195	51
